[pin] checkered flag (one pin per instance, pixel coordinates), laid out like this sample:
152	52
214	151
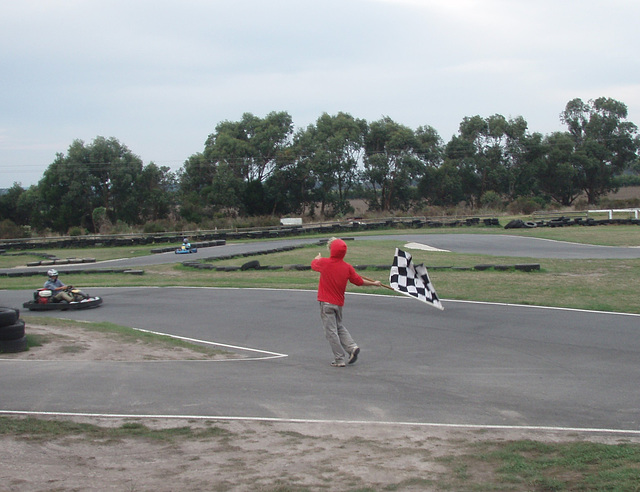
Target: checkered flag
412	280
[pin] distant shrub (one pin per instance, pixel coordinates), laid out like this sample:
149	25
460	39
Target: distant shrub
626	180
76	231
491	200
154	227
618	203
9	230
526	205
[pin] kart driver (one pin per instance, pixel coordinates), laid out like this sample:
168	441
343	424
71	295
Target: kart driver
57	287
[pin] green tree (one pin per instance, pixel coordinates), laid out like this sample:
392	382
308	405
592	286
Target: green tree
443	185
604	143
494	154
250	146
391	164
238	158
292	189
67	189
293	185
31	206
429	146
155	189
100	219
521	150
9	205
558	173
206	188
340	148
104	173
465	184
488	138
332	149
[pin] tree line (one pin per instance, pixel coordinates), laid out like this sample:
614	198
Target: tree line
263	167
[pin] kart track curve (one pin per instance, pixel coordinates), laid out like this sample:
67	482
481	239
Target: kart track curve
474	364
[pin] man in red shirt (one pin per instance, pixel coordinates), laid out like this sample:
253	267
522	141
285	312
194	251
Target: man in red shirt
334	275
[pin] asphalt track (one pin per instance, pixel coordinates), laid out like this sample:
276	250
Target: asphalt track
474	364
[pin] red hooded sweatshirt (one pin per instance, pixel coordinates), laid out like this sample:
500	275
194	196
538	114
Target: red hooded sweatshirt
334	274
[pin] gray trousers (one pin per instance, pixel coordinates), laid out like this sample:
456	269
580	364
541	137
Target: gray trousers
337	335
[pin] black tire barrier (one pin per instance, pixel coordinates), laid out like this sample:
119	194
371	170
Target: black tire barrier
8	316
12	332
515	224
299	268
250	265
12	346
60	261
530	224
522	267
87	271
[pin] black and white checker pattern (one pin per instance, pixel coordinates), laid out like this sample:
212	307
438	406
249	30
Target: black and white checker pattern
412	280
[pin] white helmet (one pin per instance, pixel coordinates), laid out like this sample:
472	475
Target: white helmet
52	273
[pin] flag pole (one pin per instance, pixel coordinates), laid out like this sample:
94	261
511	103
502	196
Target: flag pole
382	285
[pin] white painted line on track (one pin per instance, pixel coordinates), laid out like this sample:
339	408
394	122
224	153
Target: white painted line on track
567	242
323	421
195	340
551	308
425	247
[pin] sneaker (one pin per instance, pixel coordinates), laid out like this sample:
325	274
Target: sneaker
338	364
354	355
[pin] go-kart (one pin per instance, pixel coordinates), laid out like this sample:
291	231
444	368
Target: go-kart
186	248
43	300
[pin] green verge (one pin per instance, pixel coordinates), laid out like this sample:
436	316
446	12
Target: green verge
537	466
37	429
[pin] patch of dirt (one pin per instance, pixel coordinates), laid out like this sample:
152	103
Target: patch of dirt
76	343
239	455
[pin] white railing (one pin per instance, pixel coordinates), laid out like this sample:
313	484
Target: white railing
611	211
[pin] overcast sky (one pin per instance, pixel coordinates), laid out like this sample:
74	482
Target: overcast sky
159	75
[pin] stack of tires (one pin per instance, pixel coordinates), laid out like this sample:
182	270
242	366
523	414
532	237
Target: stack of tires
12	335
